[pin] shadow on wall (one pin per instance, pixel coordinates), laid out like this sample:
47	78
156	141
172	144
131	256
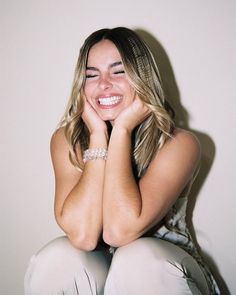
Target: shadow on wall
182	121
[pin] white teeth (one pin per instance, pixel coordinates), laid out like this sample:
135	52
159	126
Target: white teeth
109	100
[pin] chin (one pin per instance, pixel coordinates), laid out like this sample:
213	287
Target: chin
108	116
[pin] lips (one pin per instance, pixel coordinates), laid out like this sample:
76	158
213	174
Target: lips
109	101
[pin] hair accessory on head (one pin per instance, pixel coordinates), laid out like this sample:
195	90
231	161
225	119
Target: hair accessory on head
93	154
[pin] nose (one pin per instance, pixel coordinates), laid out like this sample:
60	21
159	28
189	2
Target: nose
105	82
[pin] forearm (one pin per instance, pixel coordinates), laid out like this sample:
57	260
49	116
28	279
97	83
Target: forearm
122	200
81	214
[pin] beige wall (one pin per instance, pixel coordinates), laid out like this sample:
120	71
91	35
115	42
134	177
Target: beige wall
40	41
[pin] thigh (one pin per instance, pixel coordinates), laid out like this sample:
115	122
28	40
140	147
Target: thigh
59	268
153	266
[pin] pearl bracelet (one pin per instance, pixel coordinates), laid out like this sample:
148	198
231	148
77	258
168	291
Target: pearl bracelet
93	154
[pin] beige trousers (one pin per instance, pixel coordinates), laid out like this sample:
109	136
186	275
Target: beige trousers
147	266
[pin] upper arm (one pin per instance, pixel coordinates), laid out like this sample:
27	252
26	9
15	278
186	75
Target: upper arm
167	175
66	175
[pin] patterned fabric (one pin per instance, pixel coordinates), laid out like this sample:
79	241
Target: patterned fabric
174	230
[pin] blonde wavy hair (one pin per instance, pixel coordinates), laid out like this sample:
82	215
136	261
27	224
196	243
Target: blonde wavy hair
142	73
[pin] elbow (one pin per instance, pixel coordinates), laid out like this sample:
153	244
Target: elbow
78	237
116	237
83	243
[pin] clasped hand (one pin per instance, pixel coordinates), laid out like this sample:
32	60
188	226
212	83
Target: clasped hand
133	115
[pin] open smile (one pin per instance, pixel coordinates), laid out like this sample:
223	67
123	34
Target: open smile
109	102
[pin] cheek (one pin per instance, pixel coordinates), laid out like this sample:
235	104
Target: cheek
127	89
132	93
130	89
87	91
88	94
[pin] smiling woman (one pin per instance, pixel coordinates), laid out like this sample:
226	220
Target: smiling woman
123	172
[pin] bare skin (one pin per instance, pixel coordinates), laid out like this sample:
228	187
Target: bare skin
105	199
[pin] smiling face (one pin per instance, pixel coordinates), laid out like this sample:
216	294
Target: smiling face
106	87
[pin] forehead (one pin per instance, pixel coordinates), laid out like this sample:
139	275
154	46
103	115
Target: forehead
104	51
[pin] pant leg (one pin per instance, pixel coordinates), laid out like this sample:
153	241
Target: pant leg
153	267
59	268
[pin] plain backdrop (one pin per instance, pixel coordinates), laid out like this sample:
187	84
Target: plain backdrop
194	44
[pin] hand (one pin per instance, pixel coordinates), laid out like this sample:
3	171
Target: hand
133	115
92	120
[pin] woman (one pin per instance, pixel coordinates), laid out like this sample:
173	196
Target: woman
123	172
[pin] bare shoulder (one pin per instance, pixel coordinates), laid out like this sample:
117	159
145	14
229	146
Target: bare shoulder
59	147
176	161
182	147
58	139
186	139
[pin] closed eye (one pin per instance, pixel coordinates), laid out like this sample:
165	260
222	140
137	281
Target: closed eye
91	76
119	72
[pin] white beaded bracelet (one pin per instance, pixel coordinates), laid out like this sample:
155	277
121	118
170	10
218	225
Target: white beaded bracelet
93	154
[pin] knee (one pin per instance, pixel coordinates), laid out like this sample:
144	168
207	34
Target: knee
51	265
136	268
55	253
139	253
150	253
57	248
61	268
141	249
165	263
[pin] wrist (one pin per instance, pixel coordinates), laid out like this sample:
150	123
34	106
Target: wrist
120	130
123	129
98	140
94	154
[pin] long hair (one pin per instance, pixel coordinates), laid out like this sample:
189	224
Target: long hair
143	75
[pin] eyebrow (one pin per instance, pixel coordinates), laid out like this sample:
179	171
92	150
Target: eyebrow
114	64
